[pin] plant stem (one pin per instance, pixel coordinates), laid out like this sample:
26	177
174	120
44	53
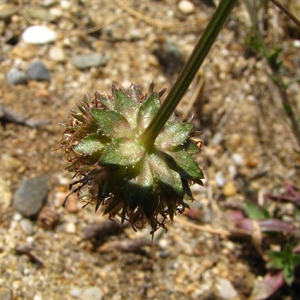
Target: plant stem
188	73
275	75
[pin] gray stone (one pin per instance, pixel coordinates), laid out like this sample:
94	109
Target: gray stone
31	196
38	71
15	76
87	61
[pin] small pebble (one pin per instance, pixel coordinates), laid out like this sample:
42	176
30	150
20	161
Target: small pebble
38	71
39	35
226	289
232	171
71	204
10	163
91	293
15	77
31	196
164	253
237	159
229	189
134	34
17	217
23	51
7	10
38	297
252	161
75	292
296	43
186	7
87	61
48	3
26	226
220	180
70	228
217	139
57	54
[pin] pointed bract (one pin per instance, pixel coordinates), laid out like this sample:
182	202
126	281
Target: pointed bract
103	145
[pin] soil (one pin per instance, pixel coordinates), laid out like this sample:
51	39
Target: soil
249	149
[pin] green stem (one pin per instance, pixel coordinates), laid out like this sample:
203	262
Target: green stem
188	73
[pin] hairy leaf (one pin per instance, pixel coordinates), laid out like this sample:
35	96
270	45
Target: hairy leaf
174	134
187	165
162	171
90	144
122	152
147	110
111	123
126	107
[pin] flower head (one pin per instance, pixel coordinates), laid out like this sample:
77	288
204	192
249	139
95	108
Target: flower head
103	144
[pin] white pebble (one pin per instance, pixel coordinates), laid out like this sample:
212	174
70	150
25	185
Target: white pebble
238	159
75	292
17	216
220	180
39	35
296	43
217	139
70	228
226	289
92	293
186	7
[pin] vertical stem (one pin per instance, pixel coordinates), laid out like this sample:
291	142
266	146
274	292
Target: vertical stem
275	76
188	73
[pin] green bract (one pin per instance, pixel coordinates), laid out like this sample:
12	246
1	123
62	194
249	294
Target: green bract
142	185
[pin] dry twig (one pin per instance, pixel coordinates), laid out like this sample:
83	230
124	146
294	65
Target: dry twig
142	17
129	245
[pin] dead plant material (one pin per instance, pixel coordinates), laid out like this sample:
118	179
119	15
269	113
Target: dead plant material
103	230
142	17
214	231
197	96
129	245
48	218
24	249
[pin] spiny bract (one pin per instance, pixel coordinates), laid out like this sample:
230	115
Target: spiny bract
103	144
